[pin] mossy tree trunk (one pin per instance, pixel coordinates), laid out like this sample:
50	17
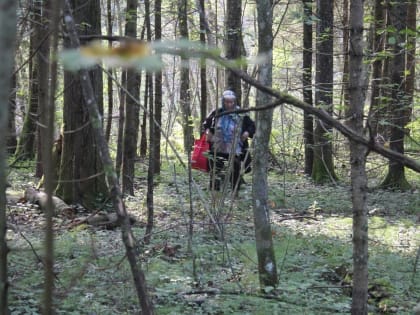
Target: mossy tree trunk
267	267
323	166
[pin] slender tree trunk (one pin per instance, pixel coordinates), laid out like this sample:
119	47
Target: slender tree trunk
150	171
400	107
308	121
203	68
132	109
184	93
356	91
157	90
11	135
109	79
267	267
233	43
121	124
112	179
323	167
376	109
7	47
48	84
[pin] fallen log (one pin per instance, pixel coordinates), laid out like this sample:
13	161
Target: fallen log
39	198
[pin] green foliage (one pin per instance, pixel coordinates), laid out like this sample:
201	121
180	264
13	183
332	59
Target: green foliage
311	228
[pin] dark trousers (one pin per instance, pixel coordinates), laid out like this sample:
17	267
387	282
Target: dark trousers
220	168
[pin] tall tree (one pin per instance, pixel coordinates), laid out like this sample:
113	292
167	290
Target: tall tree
132	108
377	110
233	42
203	67
323	167
112	179
109	78
7	48
400	106
356	93
184	93
11	132
308	122
158	90
267	268
26	144
81	176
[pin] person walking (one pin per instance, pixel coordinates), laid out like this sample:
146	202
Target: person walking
227	133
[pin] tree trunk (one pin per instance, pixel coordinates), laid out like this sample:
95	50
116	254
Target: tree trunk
132	108
233	43
121	123
323	167
81	172
400	107
308	121
184	93
203	68
109	79
356	92
267	267
11	134
112	179
7	47
377	110
26	144
158	91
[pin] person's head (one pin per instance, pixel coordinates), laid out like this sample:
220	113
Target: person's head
229	100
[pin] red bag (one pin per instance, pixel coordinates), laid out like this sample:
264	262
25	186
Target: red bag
198	159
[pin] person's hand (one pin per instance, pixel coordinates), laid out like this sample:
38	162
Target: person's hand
209	136
244	136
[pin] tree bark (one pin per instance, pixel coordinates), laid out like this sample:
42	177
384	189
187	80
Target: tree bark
203	68
112	179
184	93
308	121
267	267
109	79
132	109
11	134
26	144
233	43
7	47
376	110
158	90
323	167
81	172
356	92
400	107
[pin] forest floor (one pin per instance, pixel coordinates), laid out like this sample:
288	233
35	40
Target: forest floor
311	227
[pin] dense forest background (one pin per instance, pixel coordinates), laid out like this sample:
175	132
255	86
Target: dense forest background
101	212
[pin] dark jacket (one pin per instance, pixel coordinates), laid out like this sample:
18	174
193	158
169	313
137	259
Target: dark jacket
247	125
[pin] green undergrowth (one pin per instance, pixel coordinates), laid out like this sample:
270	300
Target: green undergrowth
311	228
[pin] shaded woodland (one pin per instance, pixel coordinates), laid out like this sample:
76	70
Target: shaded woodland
102	101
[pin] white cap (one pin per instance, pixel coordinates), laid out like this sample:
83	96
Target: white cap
229	94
